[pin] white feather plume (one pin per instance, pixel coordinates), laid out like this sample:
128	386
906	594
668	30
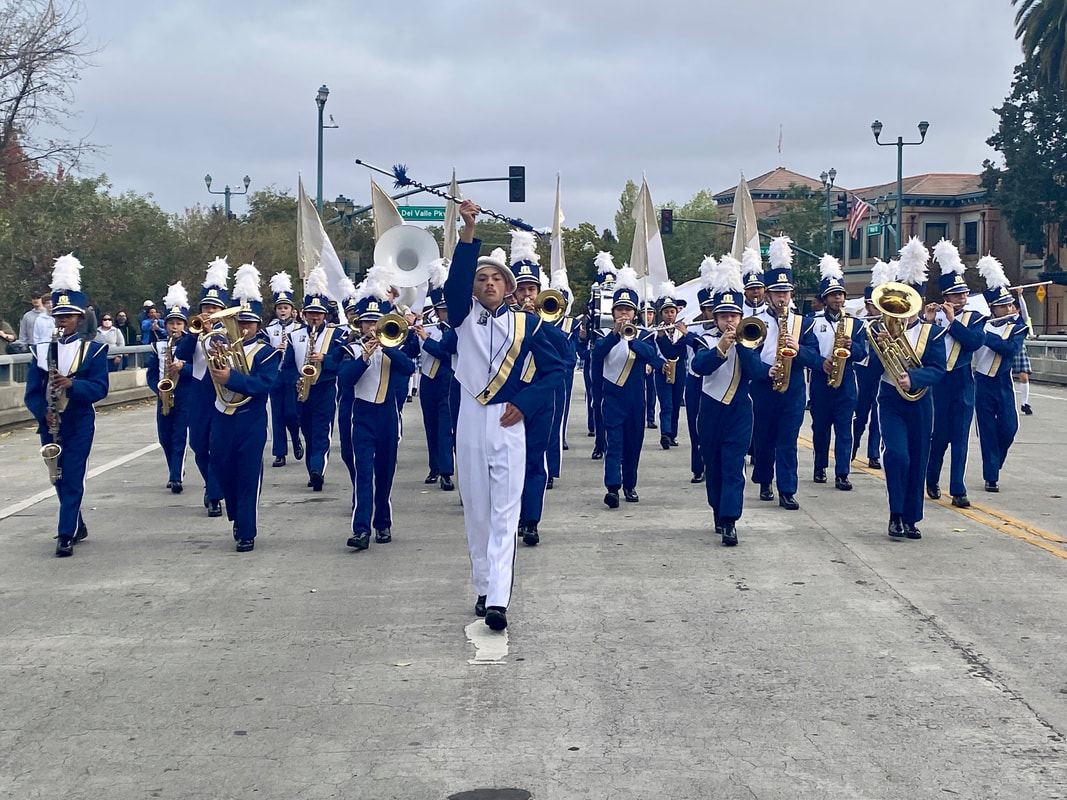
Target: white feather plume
318	283
948	256
667	289
830	267
727	277
281	282
751	261
913	260
993	272
560	280
707	271
523	248
604	263
626	279
499	254
218	273
348	289
176	297
542	277
246	284
438	273
780	254
66	274
882	272
375	285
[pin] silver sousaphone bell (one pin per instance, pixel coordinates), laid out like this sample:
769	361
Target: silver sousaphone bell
406	252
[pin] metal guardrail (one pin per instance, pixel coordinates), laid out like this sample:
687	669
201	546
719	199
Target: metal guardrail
13	368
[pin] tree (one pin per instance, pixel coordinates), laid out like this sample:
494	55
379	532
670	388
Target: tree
1031	187
1042	26
686	247
625	224
803	219
42	52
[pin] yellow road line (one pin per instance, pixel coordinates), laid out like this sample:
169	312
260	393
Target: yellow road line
983	515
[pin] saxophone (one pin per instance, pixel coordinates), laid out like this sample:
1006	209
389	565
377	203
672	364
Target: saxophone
309	373
57	403
783	358
839	355
166	384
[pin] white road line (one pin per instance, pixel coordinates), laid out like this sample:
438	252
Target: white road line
1047	396
37	498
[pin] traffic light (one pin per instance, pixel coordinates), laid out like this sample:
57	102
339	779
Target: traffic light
516	184
842	206
666	221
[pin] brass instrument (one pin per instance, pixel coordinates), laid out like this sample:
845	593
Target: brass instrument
165	387
670	370
896	301
751	333
550	306
391	330
839	355
629	332
309	373
783	358
196	324
57	403
225	348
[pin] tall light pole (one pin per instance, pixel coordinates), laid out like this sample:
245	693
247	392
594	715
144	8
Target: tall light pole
876	129
320	101
227	191
828	184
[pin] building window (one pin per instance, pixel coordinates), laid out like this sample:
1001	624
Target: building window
970	238
855	247
838	246
934	232
874	246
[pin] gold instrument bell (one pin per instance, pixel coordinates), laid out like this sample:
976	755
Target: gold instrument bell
751	333
550	305
391	330
896	301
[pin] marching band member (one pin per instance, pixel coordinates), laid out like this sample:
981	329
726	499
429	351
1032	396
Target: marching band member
557	438
239	426
70	375
436	383
284	411
606	272
755	288
315	349
669	389
648	320
493	343
621	362
1005	336
906	423
214	297
725	410
172	408
346	396
377	373
694	383
833	407
954	393
779	414
868	378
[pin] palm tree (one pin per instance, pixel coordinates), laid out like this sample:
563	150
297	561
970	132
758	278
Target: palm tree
1042	26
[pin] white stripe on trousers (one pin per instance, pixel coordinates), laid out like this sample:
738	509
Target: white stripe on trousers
491	464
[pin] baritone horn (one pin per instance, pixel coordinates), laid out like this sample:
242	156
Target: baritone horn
896	301
406	252
550	305
391	330
751	333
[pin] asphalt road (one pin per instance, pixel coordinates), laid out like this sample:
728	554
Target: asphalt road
818	659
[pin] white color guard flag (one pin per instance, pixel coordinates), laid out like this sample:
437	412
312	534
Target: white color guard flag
452	220
386	214
313	246
646	256
746	234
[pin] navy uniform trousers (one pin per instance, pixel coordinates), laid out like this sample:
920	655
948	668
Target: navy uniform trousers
953	413
316	422
998	420
906	428
693	401
725	431
867	381
538	429
650	399
437	419
774	440
172	430
346	399
201	416
375	435
284	418
670	395
832	410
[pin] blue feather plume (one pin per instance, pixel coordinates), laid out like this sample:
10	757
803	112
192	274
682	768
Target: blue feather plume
400	174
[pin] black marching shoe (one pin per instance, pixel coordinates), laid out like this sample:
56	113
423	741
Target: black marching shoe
169	484
236	536
896	526
384	536
843	483
316	482
719	527
631	495
64	546
214	508
432	477
206	501
911	531
961	501
279	461
875	463
590	433
298	449
446	483
244	545
651	424
1027	410
479	606
729	534
81	533
674	442
597	454
765	492
698	477
360	541
665	442
991	486
855	449
611	499
933	491
550	484
496	618
565	445
176	487
820	476
530	536
788	502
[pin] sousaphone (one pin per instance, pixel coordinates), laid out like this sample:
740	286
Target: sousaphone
406	252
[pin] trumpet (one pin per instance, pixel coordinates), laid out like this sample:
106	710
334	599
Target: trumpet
629	332
896	301
550	306
751	333
197	324
391	330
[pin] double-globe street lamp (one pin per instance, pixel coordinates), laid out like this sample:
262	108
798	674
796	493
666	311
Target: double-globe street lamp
900	144
828	184
227	191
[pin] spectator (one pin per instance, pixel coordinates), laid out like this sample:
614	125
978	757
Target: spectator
111	336
152	327
30	317
7	336
143	315
44	324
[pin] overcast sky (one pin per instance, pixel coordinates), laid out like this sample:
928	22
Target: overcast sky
688	92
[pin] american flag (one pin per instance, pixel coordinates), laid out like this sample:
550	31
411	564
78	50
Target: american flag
859	211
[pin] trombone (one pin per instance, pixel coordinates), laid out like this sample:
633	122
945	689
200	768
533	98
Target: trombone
550	305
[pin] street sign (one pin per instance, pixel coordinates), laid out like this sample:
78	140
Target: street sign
423	213
764	251
875	229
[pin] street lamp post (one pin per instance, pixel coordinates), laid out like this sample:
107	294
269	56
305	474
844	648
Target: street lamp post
320	101
876	129
227	191
828	184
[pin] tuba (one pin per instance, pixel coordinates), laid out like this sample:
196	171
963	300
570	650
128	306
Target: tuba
309	373
406	252
838	355
224	347
896	301
783	358
550	306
